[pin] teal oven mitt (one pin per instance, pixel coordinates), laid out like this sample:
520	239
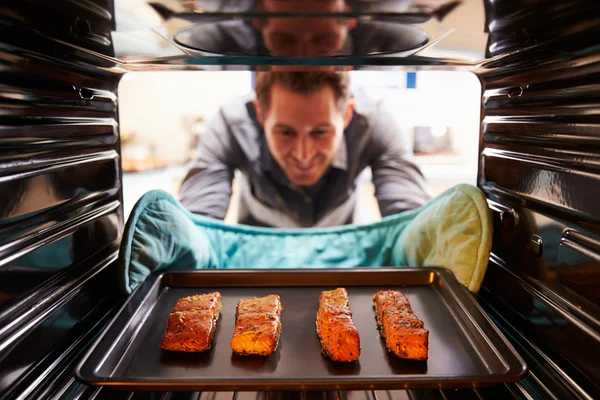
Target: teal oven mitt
453	230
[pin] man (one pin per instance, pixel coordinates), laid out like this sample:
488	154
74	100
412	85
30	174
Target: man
302	36
300	145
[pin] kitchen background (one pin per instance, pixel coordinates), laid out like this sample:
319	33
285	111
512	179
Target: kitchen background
162	117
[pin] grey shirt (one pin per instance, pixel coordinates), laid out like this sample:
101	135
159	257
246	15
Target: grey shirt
234	140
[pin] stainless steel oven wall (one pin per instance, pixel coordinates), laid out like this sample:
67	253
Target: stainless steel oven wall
61	214
60	190
540	169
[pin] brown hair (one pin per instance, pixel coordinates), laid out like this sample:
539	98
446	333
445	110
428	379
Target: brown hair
261	22
302	82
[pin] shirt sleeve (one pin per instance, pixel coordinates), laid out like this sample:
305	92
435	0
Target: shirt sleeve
206	189
399	183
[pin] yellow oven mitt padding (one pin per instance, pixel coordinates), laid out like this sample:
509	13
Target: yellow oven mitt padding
453	230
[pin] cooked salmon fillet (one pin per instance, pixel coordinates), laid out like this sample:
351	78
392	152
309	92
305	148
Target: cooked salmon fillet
404	333
267	304
339	337
257	326
209	302
192	323
189	331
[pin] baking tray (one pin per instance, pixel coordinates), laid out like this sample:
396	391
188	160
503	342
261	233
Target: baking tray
465	348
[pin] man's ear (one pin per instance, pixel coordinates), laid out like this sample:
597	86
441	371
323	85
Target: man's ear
349	112
259	113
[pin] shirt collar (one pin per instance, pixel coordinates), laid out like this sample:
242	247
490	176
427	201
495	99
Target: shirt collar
340	160
265	155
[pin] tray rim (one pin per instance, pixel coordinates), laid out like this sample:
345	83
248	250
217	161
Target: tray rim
515	368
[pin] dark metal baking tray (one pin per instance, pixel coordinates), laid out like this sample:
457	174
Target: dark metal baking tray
465	348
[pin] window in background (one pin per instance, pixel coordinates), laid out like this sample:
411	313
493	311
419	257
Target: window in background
162	116
441	115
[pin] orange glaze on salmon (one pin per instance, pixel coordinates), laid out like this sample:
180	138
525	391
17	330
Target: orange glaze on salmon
192	323
402	330
257	326
339	337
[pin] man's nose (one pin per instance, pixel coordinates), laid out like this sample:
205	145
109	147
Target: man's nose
304	49
305	149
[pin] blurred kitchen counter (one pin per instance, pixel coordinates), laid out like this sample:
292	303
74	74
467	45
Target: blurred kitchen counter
441	171
136	184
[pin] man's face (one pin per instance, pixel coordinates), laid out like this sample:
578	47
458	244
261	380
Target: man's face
304	36
304	132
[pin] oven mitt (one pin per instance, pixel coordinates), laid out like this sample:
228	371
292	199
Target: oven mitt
453	230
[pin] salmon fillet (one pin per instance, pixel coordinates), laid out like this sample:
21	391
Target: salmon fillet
404	333
208	302
339	337
192	323
267	304
257	326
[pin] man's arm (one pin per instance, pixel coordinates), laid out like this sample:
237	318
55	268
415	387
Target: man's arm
206	189
399	183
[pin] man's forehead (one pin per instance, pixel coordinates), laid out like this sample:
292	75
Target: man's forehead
324	91
303	5
322	98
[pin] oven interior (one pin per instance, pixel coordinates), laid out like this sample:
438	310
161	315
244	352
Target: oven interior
64	194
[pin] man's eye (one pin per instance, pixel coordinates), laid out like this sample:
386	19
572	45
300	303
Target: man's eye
328	40
286	133
282	40
320	133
